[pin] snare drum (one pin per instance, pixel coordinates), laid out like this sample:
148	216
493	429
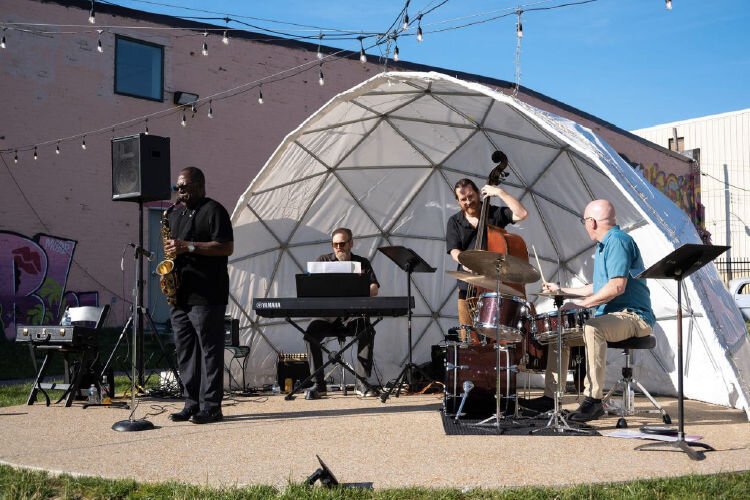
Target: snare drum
545	325
500	315
473	367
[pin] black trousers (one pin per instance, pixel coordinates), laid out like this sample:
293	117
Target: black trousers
199	341
320	329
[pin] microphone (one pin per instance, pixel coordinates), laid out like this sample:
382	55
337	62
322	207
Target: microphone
468	385
150	256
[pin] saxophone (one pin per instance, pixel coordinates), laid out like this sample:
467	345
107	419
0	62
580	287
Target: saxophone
169	281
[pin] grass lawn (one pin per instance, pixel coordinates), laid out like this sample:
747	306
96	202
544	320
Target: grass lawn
23	484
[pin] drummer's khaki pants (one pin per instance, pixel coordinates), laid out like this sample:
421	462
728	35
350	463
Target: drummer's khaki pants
597	331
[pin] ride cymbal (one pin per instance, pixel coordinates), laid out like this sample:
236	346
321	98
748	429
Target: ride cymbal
557	294
499	266
483	282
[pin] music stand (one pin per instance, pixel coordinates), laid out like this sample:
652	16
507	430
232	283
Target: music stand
408	260
677	266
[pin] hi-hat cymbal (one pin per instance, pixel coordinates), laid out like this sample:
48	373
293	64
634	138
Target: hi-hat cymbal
499	266
483	282
558	293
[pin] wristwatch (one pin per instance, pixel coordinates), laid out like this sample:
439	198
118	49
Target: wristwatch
191	247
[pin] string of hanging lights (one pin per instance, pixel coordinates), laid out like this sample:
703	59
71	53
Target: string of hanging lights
401	27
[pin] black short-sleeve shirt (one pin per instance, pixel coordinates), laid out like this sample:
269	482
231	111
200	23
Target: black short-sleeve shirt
366	266
204	280
461	235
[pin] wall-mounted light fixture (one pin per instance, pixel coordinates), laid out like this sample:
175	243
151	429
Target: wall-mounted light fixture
184	98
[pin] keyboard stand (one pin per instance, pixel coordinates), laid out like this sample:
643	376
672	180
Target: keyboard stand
72	381
333	357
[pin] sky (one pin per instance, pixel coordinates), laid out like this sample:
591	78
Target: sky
632	63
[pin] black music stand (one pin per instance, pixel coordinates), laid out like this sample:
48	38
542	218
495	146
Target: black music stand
677	266
408	260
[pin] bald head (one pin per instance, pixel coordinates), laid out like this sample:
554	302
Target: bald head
601	210
599	217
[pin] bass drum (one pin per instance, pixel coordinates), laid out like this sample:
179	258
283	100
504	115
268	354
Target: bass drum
472	367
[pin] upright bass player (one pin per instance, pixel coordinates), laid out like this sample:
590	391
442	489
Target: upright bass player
462	227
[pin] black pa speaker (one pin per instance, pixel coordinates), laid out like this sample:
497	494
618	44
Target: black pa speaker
140	168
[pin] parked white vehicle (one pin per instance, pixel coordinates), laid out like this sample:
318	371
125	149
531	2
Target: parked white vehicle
740	290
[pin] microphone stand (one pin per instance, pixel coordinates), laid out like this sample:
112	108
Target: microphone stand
131	424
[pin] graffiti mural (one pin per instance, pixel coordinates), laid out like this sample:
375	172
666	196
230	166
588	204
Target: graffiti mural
33	279
683	190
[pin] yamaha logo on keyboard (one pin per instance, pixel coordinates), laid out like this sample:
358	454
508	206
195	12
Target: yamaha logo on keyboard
268	305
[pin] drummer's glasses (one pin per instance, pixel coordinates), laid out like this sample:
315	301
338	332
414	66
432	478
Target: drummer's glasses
584	219
340	243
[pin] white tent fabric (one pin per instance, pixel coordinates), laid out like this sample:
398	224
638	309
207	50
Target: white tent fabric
382	159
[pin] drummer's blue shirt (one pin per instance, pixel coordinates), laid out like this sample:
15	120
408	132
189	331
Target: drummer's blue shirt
618	256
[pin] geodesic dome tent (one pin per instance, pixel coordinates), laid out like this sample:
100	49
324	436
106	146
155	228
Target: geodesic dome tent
382	159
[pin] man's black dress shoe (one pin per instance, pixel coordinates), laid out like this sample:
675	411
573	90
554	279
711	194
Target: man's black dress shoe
541	404
184	414
590	409
207	416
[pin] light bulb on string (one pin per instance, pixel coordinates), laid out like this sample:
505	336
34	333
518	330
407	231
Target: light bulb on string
260	94
15	158
92	14
204	49
225	38
320	40
669	4
2	43
83	143
362	55
420	36
57	149
183	122
406	21
36	156
210	109
146	131
193	108
519	26
99	42
395	54
321	80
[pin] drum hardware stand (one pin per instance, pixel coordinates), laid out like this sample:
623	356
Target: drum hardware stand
557	421
678	265
498	416
411	262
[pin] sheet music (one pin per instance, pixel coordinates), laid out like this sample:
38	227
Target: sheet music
339	266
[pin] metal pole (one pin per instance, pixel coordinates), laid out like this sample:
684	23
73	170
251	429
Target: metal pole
727	225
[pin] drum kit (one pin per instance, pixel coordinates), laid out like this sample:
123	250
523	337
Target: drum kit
480	376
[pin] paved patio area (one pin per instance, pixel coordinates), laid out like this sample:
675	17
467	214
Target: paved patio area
400	443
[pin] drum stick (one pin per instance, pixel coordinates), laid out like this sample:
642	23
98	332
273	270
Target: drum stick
538	264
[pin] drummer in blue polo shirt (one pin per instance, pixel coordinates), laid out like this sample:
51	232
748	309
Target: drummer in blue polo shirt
623	309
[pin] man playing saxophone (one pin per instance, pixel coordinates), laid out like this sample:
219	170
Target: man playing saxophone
202	239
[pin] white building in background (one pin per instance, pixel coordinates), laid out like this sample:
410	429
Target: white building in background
721	145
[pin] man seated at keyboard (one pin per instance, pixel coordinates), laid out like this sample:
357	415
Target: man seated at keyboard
342	242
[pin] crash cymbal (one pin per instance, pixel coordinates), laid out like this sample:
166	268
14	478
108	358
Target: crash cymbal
499	266
483	282
557	294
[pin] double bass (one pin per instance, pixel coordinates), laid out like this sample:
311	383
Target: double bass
495	239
